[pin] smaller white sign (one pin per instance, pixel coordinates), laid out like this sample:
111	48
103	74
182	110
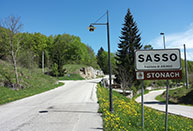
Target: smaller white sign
140	75
167	59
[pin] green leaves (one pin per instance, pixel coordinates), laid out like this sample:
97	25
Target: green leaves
102	60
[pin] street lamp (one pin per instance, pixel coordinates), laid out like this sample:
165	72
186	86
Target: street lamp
92	28
163	39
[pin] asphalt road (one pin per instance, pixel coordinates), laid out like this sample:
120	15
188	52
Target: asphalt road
72	107
149	100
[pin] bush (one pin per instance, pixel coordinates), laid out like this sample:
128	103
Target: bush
55	70
26	59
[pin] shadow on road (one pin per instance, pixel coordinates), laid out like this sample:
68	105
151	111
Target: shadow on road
97	129
67	111
154	102
92	82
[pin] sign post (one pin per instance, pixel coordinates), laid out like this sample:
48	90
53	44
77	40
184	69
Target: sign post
160	64
140	76
142	106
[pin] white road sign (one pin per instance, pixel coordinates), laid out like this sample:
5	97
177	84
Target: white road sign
152	60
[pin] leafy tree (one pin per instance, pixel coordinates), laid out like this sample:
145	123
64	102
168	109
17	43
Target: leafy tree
102	60
92	58
4	43
13	26
148	47
129	42
55	70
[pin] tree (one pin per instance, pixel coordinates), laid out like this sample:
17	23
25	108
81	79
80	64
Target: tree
99	57
92	58
13	26
148	47
124	77
102	60
4	43
129	42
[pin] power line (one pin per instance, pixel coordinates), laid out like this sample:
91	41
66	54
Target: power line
100	17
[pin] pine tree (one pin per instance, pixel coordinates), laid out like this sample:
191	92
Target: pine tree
100	61
129	42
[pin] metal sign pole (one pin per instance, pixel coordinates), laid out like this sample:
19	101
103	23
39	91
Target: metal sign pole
167	82
142	106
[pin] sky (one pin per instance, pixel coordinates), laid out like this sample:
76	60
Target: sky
52	17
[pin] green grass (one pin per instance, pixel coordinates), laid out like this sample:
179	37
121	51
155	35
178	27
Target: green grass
71	77
9	95
127	115
145	92
33	81
161	99
73	68
72	72
179	96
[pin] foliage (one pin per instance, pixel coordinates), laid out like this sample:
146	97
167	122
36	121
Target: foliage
60	49
92	59
4	43
69	49
27	49
127	115
100	57
33	80
102	60
148	47
55	69
129	42
13	27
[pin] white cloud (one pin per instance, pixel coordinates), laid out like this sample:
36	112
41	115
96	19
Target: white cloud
177	40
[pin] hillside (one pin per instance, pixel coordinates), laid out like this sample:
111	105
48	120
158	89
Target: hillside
32	82
179	96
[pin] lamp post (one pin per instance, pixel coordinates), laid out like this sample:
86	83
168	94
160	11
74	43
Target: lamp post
163	40
92	28
167	88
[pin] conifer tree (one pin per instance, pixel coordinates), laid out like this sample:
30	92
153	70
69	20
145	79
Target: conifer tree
100	60
129	42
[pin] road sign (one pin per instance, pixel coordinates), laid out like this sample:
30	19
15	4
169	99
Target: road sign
151	60
140	75
158	75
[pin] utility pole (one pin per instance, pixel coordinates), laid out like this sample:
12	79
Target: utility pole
43	61
186	67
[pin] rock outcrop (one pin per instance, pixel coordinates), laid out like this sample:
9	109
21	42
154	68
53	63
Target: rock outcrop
90	73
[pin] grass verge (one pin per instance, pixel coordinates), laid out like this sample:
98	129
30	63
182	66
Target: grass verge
33	82
145	92
73	68
127	115
178	96
71	77
9	95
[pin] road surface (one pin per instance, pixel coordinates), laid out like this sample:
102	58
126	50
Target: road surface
72	107
149	100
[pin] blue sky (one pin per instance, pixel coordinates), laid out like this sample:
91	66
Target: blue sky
52	17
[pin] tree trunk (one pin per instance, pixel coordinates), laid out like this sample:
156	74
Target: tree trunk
14	64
